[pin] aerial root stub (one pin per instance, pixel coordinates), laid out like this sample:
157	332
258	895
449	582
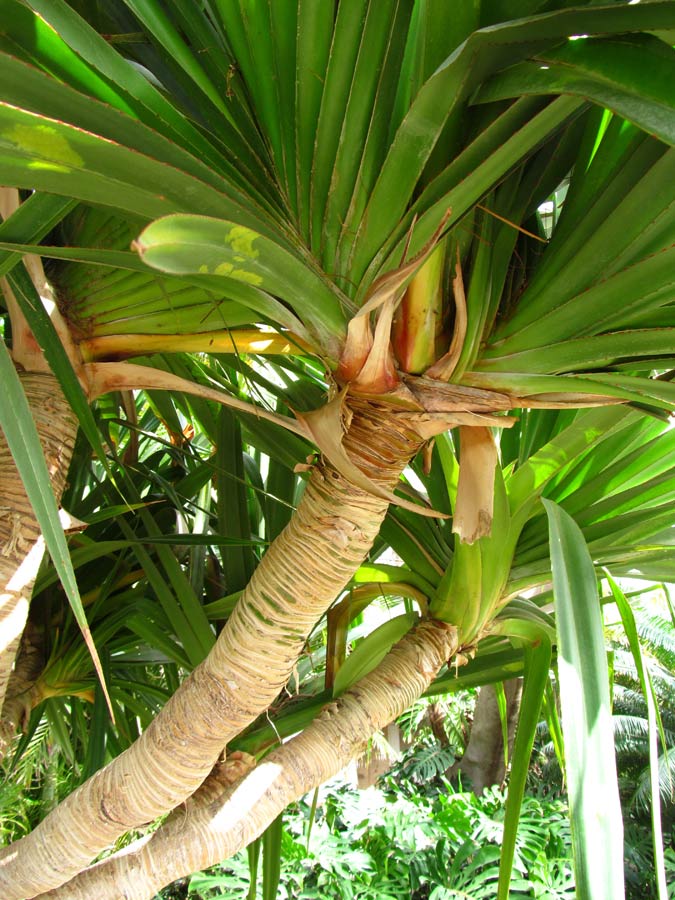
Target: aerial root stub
474	505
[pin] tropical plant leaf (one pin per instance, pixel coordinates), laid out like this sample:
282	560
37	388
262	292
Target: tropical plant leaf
535	679
23	441
597	827
195	244
627	75
271	850
629	626
484	51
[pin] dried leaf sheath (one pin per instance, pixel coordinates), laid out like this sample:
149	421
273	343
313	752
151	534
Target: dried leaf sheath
300	575
475	493
222	819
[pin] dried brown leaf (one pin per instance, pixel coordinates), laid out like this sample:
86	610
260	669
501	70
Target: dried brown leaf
475	489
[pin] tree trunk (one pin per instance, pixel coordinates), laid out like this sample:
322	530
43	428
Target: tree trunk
222	817
23	691
299	576
21	543
483	761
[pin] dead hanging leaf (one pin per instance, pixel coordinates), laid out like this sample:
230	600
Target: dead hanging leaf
325	426
475	490
443	368
519	228
438	396
427	455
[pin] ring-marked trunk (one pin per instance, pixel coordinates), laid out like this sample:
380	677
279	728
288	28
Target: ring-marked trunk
223	817
300	575
21	542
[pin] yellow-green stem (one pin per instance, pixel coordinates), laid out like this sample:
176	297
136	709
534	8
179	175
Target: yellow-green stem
419	319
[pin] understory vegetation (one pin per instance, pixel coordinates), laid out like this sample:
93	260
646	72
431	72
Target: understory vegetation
414	837
404	841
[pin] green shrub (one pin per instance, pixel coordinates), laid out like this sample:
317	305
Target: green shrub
392	843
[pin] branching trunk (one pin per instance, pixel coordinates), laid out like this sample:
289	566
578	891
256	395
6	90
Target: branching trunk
299	576
21	543
222	817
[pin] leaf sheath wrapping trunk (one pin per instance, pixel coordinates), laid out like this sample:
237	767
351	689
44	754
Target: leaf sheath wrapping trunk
222	817
299	576
21	544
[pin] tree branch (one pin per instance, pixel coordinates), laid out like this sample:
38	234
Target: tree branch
224	817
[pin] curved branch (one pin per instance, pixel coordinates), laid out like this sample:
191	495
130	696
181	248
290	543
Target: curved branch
223	818
299	576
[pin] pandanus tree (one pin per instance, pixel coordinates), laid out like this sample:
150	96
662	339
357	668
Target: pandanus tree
358	183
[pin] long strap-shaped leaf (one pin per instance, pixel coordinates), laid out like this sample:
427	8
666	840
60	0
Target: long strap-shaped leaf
34	218
514	136
631	76
616	302
639	222
69	46
630	628
537	662
159	310
262	37
484	52
196	244
372	82
595	811
22	438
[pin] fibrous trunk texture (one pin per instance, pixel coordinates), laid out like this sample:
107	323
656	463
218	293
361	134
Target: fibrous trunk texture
222	817
21	542
23	693
299	576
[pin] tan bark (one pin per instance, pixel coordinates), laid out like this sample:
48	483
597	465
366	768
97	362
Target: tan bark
300	575
23	693
223	818
21	543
